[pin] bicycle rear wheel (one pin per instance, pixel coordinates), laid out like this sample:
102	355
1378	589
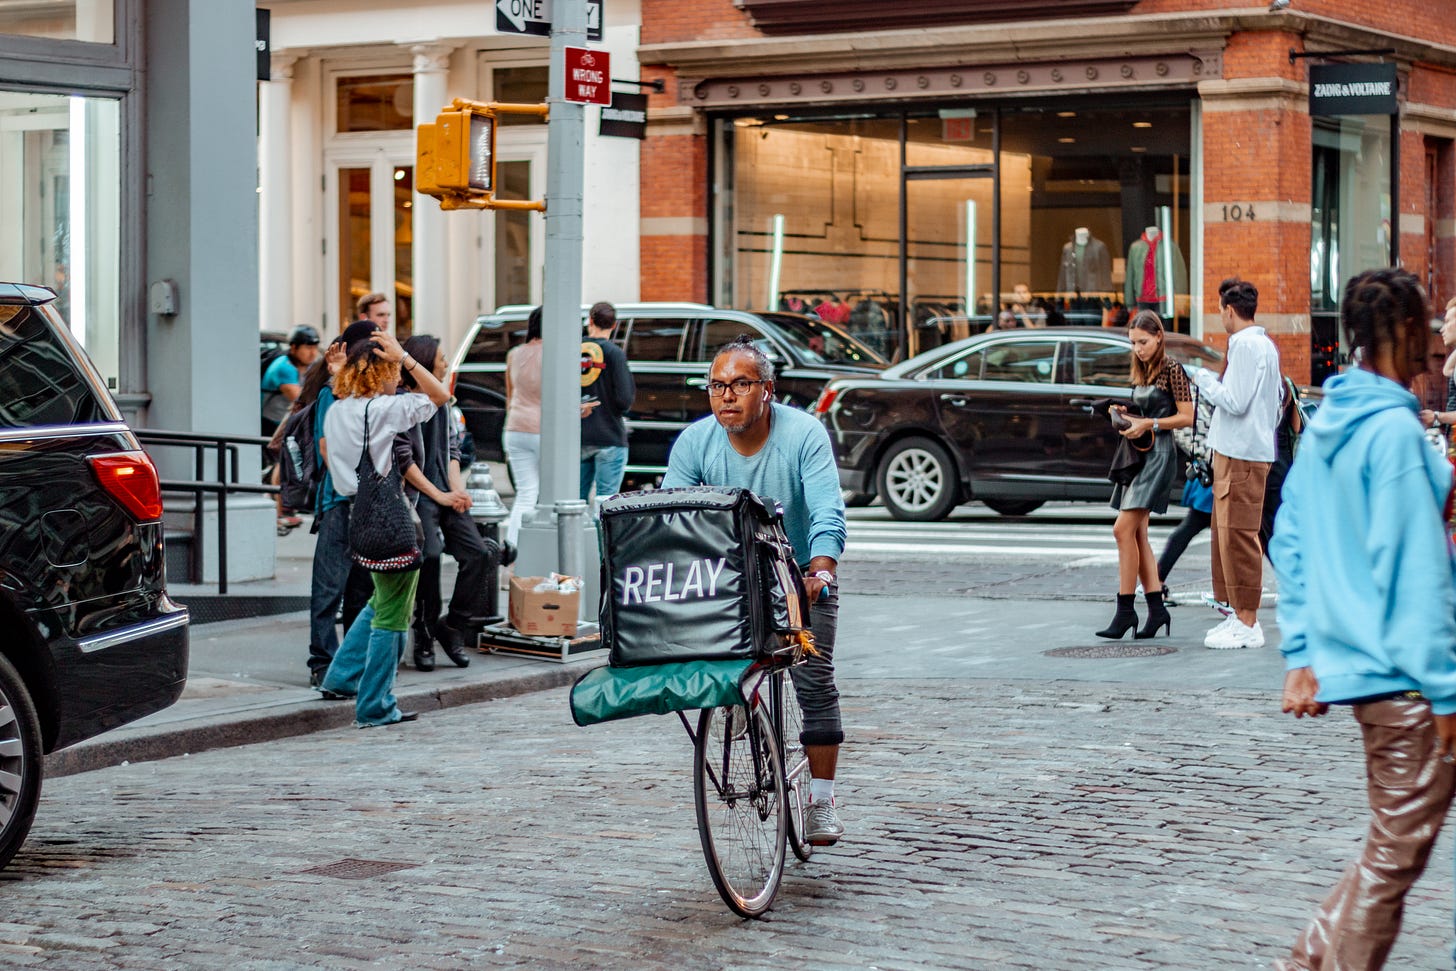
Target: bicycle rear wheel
738	787
790	716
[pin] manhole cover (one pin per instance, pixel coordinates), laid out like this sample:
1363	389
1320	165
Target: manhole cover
1112	650
357	869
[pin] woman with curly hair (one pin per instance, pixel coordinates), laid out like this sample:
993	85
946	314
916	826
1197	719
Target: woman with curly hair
364	665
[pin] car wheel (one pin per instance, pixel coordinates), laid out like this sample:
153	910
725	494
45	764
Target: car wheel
1013	507
20	761
918	481
856	500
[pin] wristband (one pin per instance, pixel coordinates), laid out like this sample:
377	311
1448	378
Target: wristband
409	363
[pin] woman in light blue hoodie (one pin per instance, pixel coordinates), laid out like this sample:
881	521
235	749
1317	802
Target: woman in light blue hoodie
1367	610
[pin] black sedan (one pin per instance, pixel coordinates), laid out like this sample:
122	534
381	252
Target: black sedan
994	417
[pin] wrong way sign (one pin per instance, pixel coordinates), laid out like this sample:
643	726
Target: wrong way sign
533	17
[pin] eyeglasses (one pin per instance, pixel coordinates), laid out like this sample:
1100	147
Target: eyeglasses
740	387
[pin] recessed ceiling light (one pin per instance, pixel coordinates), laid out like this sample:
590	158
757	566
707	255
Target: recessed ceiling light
781	117
1066	114
1138	148
1142	124
1066	141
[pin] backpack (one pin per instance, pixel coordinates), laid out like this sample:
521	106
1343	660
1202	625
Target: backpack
298	465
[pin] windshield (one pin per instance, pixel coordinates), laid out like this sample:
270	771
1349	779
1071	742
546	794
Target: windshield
816	342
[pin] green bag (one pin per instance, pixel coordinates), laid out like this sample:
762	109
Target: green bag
607	693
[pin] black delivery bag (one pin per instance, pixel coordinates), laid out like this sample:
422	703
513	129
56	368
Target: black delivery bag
697	574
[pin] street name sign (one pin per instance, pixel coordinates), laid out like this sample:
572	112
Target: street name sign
533	17
588	76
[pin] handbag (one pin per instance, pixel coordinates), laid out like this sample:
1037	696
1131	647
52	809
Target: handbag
1200	466
383	537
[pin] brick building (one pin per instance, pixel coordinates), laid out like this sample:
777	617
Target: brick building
910	168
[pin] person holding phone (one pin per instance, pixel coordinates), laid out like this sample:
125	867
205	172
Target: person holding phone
608	391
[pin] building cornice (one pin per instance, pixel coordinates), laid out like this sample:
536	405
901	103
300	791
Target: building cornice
1011	43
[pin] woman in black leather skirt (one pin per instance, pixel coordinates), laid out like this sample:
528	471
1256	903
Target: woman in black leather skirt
1161	402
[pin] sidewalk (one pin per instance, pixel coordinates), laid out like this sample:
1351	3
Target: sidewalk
248	679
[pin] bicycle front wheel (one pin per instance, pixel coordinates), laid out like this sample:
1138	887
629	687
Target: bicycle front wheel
738	791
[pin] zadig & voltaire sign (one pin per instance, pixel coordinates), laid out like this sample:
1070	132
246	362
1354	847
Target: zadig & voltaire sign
1353	89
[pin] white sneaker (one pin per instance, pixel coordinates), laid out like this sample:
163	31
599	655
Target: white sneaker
1218	631
1237	637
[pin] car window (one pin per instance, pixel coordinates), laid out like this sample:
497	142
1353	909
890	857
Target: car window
655	339
493	339
716	333
1026	362
816	342
962	367
39	382
1193	354
1103	365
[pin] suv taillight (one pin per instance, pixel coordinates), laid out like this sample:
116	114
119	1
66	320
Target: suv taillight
130	479
826	400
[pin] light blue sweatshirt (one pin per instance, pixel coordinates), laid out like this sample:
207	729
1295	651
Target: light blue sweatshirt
1367	595
795	466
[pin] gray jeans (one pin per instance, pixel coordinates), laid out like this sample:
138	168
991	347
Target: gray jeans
814	679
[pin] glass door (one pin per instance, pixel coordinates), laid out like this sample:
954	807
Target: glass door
374	238
949	244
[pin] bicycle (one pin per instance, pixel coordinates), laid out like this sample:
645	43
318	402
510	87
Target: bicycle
751	789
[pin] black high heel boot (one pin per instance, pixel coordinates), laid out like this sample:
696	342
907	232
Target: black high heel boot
1124	620
1158	616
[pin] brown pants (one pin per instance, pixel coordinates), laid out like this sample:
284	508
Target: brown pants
1410	790
1238	509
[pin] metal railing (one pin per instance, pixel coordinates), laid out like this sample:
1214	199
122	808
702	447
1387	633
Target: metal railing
223	483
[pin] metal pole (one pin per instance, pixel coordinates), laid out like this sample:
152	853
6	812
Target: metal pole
561	311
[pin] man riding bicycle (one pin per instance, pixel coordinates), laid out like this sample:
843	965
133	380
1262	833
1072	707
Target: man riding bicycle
781	454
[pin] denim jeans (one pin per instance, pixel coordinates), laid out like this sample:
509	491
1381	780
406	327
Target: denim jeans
814	679
603	466
365	663
523	452
331	563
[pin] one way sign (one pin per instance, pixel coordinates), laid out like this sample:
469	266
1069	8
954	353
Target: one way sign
534	17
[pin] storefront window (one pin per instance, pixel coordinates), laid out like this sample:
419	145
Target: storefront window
1055	213
60	196
1095	213
84	20
1351	206
379	102
816	226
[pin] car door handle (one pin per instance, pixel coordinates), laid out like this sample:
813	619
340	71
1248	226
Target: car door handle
957	400
696	382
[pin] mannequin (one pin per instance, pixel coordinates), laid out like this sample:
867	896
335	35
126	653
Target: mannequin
1086	265
1146	270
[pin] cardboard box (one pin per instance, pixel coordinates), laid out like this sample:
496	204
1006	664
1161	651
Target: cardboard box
550	614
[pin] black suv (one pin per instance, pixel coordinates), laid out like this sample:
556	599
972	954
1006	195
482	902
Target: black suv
668	347
91	639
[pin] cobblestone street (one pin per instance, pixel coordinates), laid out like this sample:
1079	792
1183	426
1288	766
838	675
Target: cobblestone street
993	824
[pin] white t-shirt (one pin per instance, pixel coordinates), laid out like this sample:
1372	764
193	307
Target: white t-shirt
344	433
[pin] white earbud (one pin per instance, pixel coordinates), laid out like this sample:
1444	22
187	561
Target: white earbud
765	396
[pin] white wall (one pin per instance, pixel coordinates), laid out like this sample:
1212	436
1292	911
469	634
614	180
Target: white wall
329	33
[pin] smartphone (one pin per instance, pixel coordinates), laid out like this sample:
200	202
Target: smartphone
589	399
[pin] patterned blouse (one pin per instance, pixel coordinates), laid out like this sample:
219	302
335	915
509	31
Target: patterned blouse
1174	380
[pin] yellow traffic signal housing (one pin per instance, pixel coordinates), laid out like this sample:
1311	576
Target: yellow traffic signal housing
455	157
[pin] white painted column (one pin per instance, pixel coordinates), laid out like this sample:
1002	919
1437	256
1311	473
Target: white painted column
431	256
275	197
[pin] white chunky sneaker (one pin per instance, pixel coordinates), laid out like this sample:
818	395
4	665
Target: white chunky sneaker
1220	630
1237	637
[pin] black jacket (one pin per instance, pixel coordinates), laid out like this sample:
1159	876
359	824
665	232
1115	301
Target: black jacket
616	390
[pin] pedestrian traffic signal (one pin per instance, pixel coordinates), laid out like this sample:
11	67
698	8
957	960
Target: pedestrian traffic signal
455	156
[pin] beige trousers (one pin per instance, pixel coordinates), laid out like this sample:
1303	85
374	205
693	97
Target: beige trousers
1238	509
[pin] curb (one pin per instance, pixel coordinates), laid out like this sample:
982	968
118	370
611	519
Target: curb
285	721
